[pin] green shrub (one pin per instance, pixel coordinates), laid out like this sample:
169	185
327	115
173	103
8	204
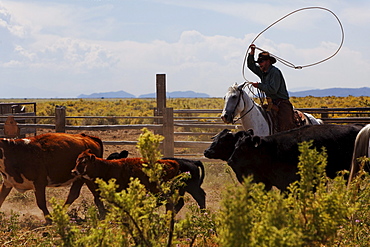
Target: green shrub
356	230
133	213
312	213
9	224
63	225
316	211
197	224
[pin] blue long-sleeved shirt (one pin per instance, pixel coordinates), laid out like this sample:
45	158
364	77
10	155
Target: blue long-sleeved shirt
272	81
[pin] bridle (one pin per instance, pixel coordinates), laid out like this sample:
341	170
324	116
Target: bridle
240	89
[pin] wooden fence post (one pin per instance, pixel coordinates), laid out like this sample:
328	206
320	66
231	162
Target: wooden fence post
161	92
326	114
168	133
60	119
11	129
160	97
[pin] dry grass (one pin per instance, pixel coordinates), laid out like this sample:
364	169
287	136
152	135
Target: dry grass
218	176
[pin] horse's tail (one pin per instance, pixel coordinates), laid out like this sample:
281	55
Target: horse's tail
201	166
360	149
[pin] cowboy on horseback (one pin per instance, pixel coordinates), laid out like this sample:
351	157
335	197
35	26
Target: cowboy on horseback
273	84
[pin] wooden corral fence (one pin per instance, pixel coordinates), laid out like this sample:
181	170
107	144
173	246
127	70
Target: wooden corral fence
9	111
177	125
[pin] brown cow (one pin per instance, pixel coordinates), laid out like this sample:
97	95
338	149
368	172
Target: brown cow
192	185
45	161
91	167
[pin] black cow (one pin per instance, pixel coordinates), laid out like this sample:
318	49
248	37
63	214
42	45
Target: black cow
116	156
192	185
223	144
273	159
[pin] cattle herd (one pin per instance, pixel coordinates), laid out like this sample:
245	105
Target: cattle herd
59	159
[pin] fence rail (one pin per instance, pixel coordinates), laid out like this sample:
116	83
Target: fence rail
191	124
172	124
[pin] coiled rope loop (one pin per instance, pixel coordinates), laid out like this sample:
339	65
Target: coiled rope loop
287	63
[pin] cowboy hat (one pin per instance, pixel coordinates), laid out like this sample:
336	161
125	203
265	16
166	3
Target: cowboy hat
265	56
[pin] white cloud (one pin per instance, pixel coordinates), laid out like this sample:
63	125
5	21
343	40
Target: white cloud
30	56
9	25
357	15
70	48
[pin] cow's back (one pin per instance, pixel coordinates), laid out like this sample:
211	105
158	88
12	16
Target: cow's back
273	159
337	139
123	169
48	156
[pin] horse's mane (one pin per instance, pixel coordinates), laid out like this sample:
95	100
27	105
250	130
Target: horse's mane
233	88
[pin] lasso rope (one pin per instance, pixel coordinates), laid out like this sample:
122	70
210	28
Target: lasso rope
287	63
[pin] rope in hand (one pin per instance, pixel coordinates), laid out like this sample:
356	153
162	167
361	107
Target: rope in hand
287	63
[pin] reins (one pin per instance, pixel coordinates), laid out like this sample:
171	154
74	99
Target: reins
240	89
234	121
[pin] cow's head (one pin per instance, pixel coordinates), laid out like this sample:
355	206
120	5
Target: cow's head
82	163
246	149
224	143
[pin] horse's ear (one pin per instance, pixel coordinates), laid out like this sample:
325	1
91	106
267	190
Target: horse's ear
241	86
233	87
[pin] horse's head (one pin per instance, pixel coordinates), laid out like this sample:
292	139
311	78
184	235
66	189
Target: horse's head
234	104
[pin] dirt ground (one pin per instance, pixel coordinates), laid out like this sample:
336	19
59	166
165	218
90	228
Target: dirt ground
216	179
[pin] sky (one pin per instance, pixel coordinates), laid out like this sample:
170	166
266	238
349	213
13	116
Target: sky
64	48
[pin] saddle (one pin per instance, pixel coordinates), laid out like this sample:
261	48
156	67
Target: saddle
271	110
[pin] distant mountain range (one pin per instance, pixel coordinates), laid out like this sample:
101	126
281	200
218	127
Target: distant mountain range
119	94
122	94
338	92
178	94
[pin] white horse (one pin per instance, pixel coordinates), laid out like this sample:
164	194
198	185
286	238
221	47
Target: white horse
361	149
252	115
